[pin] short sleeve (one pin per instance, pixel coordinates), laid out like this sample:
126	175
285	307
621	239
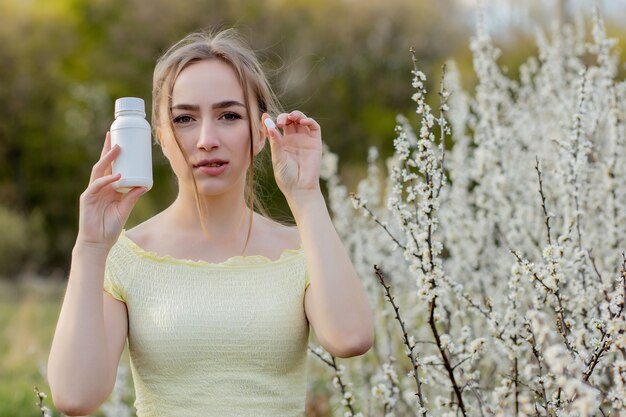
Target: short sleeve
112	284
307	280
112	287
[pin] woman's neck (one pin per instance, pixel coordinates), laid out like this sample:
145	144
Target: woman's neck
224	215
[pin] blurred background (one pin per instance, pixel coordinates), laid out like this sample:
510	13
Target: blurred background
346	62
64	62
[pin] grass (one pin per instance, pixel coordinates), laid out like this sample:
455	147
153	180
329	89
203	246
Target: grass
28	314
29	311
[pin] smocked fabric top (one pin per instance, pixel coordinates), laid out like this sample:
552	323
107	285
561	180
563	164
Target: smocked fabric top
213	339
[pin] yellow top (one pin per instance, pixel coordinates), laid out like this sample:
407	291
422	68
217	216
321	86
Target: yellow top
213	339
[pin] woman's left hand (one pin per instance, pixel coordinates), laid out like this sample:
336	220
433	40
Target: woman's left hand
296	153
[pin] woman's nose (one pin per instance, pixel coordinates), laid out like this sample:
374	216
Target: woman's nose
208	136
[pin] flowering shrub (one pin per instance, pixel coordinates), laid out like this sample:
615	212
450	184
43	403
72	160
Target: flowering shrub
496	270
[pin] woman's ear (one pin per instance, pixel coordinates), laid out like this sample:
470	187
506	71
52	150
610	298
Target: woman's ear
259	141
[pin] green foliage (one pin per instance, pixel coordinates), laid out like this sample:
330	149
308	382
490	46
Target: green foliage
64	62
17	399
28	313
23	241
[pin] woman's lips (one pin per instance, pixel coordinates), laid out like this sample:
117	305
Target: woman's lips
211	167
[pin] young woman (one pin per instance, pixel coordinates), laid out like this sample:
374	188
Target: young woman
214	298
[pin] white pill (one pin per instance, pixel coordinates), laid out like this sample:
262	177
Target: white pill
269	123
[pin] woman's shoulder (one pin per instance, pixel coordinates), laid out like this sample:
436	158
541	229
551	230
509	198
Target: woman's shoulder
144	233
272	236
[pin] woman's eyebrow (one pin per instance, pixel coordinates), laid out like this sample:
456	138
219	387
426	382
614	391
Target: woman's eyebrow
218	105
228	103
191	107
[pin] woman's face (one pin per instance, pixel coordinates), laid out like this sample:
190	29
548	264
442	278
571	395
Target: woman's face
210	119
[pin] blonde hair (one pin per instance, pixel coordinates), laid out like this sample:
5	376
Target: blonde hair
226	46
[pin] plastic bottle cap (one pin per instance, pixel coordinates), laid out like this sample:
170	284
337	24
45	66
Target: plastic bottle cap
130	104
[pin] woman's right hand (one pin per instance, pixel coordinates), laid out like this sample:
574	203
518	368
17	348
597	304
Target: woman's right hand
104	211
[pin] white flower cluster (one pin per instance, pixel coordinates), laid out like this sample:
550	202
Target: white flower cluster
505	252
385	388
41	396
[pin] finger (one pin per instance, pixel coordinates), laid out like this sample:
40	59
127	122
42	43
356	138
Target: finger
293	123
288	122
281	120
311	124
103	166
275	139
272	132
100	183
267	122
285	119
131	198
296	115
107	145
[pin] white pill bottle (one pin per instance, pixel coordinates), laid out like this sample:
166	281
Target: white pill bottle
131	131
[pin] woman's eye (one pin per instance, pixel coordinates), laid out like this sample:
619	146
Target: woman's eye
231	116
183	118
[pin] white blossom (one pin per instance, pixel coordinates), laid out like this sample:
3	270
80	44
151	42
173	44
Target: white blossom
517	293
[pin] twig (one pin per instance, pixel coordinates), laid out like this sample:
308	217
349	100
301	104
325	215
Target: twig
537	355
480	400
623	281
333	364
378	222
595	358
577	127
600	280
543	201
560	323
40	397
443	102
516	383
393	388
604	344
461	362
615	158
433	327
410	346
